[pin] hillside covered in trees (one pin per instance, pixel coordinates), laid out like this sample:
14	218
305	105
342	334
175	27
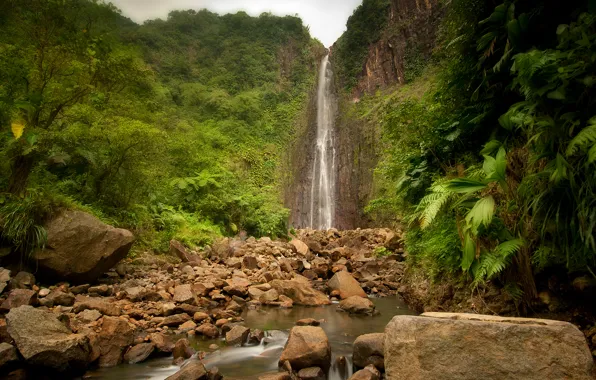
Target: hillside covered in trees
488	136
174	128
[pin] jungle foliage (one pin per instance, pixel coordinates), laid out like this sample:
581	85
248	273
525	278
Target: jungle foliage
492	163
174	128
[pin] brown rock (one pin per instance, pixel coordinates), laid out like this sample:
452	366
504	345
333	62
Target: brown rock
183	350
269	296
138	353
200	316
162	342
469	346
178	249
80	247
193	370
368	373
307	346
311	373
346	285
368	349
308	322
357	305
250	262
208	330
105	306
8	356
23	280
300	247
113	339
175	320
300	292
183	294
19	297
237	335
58	297
44	341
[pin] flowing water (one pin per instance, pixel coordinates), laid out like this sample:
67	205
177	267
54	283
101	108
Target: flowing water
322	191
252	361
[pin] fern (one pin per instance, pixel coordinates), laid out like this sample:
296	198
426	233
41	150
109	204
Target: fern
584	138
481	214
495	262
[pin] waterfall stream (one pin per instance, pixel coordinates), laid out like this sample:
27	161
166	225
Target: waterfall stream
322	193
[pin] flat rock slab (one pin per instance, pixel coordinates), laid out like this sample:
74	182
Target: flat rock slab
451	346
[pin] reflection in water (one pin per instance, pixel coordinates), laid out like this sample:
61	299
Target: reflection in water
250	362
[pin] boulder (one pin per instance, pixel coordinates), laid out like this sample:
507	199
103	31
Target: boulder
162	342
357	305
346	285
177	249
23	280
138	353
269	296
193	370
183	294
80	247
470	346
209	330
44	341
182	350
175	320
58	298
105	306
311	373
368	373
19	297
250	262
115	336
368	349
300	293
300	246
307	346
237	335
8	356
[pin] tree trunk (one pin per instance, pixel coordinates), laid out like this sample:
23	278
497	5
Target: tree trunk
19	176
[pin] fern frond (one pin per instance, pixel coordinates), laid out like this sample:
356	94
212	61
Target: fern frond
481	214
584	138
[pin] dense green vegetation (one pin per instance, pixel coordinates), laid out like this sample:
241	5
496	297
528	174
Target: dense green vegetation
490	152
174	128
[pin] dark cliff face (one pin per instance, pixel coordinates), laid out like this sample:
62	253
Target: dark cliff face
408	39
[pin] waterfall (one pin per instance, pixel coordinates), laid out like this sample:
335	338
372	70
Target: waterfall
322	193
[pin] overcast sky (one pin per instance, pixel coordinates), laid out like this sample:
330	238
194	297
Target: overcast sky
326	18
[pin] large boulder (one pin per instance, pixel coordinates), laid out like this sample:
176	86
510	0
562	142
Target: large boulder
44	341
193	370
469	346
300	292
346	285
113	339
368	349
237	335
80	247
307	346
357	305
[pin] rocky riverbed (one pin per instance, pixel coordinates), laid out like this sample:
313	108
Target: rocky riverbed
259	309
151	306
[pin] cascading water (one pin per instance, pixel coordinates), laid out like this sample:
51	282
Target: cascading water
322	193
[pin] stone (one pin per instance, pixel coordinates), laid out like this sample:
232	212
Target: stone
269	296
113	339
368	373
80	247
368	349
300	293
162	342
346	285
200	316
135	293
8	356
4	275
100	290
138	353
276	376
255	292
175	320
237	335
19	297
44	341
187	326
357	305
182	349
307	346
208	330
311	373
43	292
58	298
307	322
183	294
300	247
451	346
178	249
250	262
23	280
105	306
193	370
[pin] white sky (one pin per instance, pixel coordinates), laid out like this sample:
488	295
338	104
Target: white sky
326	18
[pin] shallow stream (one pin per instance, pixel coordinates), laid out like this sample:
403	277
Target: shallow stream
250	362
